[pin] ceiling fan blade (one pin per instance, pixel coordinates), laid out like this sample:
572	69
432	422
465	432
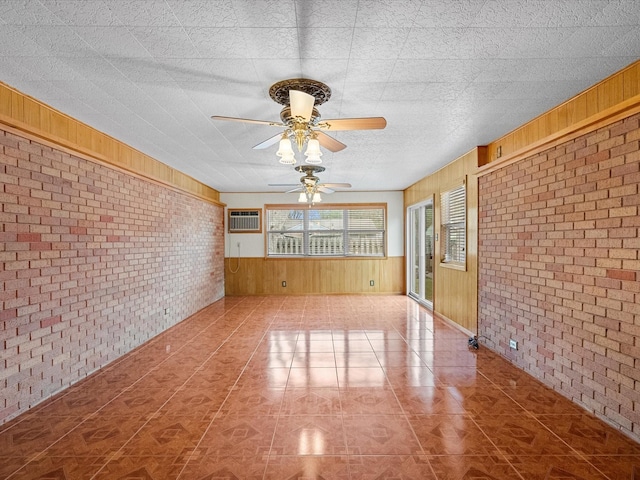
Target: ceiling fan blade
283	185
365	123
330	143
301	104
248	120
324	189
268	142
337	185
299	189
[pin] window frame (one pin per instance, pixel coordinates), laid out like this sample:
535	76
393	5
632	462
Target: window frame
345	231
453	218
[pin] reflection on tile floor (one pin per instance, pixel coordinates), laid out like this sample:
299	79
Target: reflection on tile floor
306	387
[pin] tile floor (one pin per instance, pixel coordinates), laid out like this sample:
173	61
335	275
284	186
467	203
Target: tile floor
310	387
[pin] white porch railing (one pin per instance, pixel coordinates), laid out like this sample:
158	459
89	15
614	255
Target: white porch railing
325	245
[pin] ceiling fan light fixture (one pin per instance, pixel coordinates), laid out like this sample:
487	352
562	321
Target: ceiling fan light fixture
285	147
288	159
285	152
316	198
313	152
302	198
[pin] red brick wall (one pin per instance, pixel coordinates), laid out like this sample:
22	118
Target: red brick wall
560	269
90	258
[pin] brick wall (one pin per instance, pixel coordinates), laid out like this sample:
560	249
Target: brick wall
93	262
559	269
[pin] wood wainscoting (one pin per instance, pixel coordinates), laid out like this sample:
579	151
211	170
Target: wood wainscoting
264	276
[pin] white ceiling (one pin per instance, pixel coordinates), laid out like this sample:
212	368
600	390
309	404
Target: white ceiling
446	74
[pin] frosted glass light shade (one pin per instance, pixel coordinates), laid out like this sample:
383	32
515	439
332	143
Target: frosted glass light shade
313	152
288	159
284	148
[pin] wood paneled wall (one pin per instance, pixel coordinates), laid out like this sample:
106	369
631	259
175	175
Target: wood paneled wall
455	291
614	98
37	119
263	276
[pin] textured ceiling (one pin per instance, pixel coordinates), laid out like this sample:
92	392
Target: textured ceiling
446	74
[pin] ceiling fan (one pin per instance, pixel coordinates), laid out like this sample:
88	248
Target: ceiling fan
311	187
301	120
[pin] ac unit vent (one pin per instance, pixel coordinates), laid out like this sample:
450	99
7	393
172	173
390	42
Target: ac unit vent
245	221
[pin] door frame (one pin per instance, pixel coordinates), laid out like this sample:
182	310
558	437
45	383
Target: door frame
419	295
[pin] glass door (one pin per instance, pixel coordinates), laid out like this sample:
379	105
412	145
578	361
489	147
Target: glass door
420	240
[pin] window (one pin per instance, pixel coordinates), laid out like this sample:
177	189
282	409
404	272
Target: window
327	230
453	226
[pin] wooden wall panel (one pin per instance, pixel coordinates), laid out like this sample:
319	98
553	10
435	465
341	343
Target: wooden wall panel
32	117
262	276
455	291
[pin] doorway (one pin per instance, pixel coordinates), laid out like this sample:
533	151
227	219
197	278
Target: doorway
420	245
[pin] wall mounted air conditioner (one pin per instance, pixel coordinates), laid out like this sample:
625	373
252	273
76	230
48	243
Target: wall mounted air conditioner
245	220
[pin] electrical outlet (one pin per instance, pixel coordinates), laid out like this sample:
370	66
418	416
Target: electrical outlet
284	284
166	311
513	344
371	283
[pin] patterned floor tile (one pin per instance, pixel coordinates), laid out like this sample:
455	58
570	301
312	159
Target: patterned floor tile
459	377
403	377
240	436
463	467
397	358
450	435
483	401
566	467
36	435
253	402
589	435
356	377
309	435
60	468
307	468
312	377
141	467
428	400
380	435
394	467
299	387
540	400
166	435
618	466
367	401
311	401
521	435
98	435
203	465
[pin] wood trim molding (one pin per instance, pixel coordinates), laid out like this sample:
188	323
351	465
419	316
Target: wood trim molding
599	120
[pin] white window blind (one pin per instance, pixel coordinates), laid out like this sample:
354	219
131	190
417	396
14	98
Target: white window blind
453	225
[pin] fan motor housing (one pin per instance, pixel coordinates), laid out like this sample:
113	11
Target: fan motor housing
287	118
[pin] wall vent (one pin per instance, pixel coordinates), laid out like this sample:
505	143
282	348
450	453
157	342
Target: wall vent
245	220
